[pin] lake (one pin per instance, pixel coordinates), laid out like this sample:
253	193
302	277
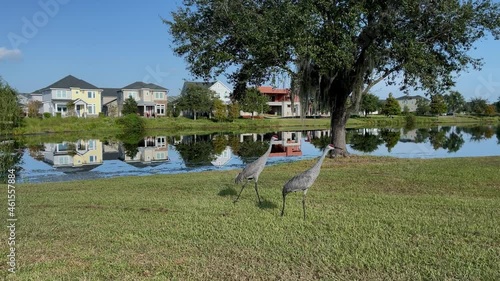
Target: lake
68	160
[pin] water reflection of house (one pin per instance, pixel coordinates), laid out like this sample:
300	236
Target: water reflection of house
152	150
287	145
408	136
111	151
85	154
223	158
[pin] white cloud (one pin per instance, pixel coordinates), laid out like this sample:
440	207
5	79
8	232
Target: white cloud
6	54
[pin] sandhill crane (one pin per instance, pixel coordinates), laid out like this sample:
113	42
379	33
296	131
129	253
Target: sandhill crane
253	170
303	181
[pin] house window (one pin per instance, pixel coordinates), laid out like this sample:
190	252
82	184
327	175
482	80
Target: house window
91	109
161	155
62	108
92	158
160	142
91	145
132	95
62	94
62	147
160	109
159	95
64	160
91	95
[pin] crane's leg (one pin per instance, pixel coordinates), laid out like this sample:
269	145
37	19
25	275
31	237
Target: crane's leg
304	203
236	200
283	209
257	191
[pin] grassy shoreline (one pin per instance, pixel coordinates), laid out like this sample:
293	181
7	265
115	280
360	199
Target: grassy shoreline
369	218
108	126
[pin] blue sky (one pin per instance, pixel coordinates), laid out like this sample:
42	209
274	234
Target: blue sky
116	42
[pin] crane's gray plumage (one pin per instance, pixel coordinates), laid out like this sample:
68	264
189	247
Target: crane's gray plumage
303	181
253	170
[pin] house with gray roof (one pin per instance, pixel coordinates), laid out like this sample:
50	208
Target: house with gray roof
71	96
410	102
151	99
222	91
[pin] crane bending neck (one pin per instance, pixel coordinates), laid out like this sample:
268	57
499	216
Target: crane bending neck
320	160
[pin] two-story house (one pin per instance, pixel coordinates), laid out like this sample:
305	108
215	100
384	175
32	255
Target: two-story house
221	91
71	96
280	101
410	102
152	150
151	99
86	153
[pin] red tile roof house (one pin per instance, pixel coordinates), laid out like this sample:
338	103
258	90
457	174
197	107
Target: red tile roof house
280	102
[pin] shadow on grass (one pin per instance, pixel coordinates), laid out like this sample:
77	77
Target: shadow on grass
266	204
228	191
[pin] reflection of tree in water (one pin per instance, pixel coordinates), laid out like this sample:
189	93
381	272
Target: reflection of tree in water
365	142
453	142
391	138
35	151
249	150
198	150
321	142
219	142
489	132
437	138
234	142
422	135
479	133
498	134
11	153
130	143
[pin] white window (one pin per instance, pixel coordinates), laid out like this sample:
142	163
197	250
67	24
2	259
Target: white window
62	108
160	142
62	94
92	158
91	144
62	147
91	95
161	155
159	95
64	160
91	108
132	95
160	109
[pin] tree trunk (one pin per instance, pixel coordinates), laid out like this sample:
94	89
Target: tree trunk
338	120
194	114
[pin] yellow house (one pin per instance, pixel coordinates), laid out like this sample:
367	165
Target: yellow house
88	152
58	97
68	154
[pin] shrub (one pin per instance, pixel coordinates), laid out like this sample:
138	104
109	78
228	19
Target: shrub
58	115
131	123
411	121
47	115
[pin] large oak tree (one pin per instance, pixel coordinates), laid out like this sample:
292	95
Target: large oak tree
333	49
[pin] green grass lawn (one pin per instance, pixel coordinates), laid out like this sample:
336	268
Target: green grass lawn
369	218
107	126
